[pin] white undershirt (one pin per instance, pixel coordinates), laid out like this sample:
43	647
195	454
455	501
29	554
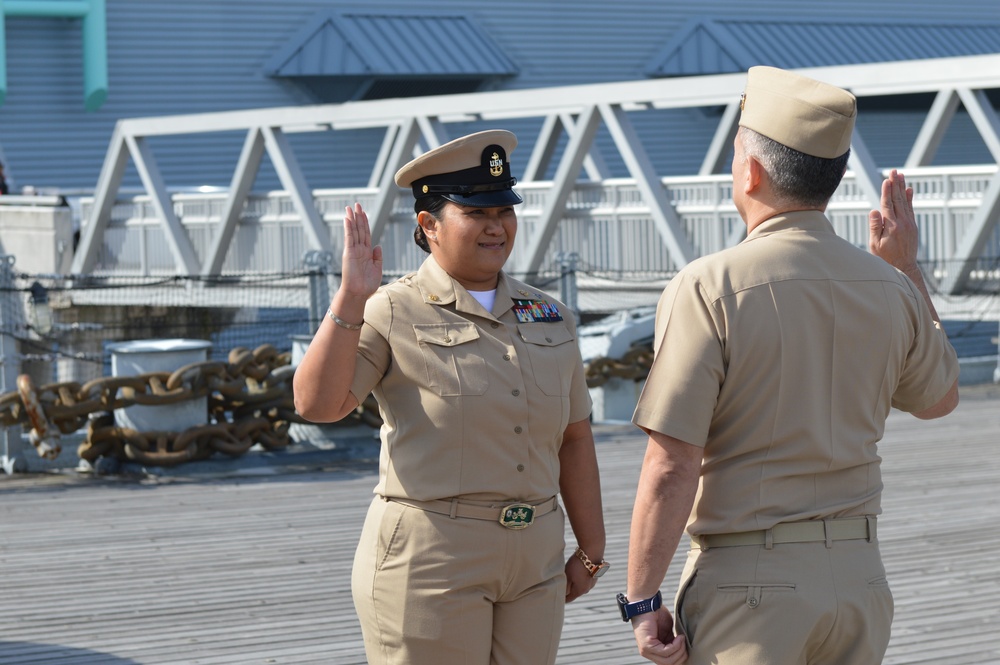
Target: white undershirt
485	298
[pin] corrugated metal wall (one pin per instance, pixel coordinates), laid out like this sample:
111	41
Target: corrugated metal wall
188	56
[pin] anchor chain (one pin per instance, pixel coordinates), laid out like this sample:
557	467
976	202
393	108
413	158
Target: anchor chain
249	399
634	365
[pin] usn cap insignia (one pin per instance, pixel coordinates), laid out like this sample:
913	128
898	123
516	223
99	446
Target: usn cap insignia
496	165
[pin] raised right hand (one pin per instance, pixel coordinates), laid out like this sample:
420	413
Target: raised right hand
362	263
893	233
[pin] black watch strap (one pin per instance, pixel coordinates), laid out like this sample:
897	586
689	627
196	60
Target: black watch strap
630	610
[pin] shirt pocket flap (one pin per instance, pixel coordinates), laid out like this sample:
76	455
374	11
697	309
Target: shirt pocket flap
445	334
544	334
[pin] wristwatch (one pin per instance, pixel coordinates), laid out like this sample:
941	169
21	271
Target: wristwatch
630	610
595	569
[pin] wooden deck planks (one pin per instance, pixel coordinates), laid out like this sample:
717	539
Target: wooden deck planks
255	568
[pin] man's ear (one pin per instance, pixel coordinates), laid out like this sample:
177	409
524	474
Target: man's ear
753	174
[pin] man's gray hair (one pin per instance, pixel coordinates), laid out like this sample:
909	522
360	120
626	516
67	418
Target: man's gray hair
796	178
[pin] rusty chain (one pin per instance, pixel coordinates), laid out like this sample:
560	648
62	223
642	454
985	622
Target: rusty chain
633	365
249	399
250	402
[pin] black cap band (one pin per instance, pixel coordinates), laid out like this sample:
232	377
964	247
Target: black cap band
464	190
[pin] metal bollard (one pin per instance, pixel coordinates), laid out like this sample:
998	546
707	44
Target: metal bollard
11	314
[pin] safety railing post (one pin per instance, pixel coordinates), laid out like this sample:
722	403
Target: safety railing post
318	263
996	372
568	292
11	314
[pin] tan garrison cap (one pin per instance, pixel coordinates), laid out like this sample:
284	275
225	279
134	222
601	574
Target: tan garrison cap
798	112
473	170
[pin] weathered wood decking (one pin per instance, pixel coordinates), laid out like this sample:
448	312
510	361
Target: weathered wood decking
255	568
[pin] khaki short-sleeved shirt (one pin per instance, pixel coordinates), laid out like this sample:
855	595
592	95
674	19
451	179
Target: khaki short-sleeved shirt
782	357
474	403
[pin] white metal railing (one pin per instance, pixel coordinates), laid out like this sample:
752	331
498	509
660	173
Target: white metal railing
606	223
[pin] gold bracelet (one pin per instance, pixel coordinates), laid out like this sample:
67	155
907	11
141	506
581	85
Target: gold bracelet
342	323
595	569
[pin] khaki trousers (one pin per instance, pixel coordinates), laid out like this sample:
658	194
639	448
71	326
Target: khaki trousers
432	590
793	604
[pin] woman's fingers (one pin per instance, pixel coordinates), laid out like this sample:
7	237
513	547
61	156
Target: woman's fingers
364	231
356	229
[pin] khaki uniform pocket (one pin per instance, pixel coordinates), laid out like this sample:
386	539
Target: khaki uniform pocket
454	360
552	363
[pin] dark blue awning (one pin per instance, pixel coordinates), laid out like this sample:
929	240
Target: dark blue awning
729	46
394	45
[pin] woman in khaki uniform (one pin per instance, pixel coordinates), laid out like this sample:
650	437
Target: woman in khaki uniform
486	420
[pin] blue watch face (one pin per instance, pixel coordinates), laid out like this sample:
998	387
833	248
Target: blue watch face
621	605
630	610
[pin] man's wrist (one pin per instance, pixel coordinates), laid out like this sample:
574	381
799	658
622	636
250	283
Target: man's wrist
913	273
636	608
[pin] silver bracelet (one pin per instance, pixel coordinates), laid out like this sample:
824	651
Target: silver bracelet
342	323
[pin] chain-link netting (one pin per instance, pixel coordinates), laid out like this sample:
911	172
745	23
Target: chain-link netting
60	332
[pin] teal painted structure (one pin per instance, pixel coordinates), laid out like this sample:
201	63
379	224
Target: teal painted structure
95	41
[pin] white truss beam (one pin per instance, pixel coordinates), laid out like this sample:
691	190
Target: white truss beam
866	173
983	116
110	180
243	179
971	244
290	175
406	140
665	218
933	130
562	186
185	259
722	142
416	124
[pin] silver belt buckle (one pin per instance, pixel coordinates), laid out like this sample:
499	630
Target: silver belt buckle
517	516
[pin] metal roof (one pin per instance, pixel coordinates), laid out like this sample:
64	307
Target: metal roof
726	46
379	44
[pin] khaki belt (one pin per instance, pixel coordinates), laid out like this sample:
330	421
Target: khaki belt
810	531
512	516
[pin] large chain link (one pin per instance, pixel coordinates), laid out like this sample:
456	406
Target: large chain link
249	399
634	365
250	402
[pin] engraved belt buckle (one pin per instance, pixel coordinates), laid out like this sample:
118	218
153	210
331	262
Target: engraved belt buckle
517	516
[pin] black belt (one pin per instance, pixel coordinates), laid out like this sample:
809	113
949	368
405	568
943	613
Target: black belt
512	515
809	531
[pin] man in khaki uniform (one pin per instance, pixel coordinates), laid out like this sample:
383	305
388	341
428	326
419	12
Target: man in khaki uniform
777	363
